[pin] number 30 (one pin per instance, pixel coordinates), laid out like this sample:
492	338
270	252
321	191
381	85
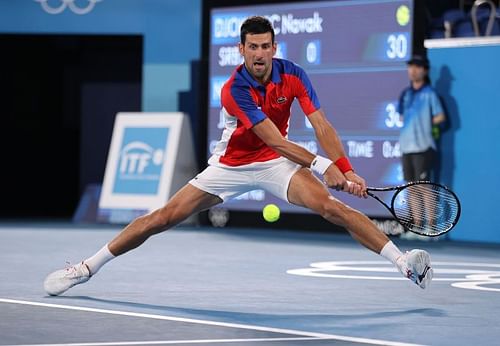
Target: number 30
398	46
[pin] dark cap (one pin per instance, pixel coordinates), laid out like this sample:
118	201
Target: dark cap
418	60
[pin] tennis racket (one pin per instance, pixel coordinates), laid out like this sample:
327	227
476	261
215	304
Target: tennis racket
422	207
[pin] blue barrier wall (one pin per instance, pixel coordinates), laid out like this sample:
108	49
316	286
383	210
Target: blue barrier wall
171	31
466	73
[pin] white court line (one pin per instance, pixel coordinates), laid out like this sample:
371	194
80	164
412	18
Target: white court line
169	342
210	323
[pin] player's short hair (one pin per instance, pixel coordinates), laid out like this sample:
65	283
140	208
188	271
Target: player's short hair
256	25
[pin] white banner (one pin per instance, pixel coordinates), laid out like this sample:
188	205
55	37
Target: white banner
151	156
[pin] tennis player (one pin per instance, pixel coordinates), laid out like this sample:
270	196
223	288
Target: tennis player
254	152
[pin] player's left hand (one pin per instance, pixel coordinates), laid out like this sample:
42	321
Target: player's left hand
359	186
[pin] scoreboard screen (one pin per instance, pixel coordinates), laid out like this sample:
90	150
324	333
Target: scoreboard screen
355	54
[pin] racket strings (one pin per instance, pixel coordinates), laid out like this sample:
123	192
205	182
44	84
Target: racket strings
426	208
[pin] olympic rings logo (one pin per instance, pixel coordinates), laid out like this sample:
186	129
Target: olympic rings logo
71	4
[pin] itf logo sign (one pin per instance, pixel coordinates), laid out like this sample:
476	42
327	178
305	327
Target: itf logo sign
151	157
140	162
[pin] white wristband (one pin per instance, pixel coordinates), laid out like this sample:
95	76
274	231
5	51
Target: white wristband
320	164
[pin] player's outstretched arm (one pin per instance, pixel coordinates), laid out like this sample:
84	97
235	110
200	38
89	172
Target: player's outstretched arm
269	134
330	142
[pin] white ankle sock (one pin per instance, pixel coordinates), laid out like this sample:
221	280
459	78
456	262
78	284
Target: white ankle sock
390	252
102	257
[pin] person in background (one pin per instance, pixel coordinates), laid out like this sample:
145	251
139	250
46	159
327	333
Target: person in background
421	112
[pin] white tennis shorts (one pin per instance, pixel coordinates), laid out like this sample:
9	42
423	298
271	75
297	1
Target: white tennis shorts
227	182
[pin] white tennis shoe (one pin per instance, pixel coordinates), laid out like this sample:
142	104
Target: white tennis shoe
416	266
62	280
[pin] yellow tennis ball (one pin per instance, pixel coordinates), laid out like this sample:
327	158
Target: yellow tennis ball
271	213
403	15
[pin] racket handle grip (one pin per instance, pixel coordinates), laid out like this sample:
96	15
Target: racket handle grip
350	183
348	186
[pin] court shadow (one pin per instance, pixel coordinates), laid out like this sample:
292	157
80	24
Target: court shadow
258	318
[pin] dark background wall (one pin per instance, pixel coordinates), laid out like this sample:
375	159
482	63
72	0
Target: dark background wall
59	95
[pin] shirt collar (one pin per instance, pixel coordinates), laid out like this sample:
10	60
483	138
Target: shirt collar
275	73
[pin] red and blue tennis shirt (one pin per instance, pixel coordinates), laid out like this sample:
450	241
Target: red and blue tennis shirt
245	103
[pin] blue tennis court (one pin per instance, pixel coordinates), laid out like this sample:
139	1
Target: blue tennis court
242	287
